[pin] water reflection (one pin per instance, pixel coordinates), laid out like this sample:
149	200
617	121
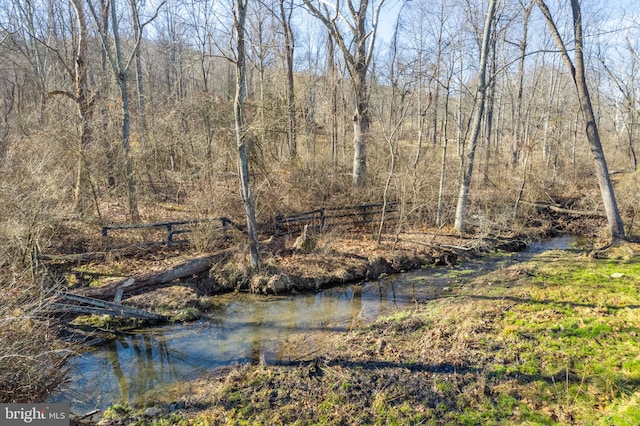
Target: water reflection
245	328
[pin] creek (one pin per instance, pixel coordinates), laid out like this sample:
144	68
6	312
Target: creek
248	328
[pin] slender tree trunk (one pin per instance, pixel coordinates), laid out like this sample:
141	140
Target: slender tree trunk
517	137
459	115
443	167
134	214
85	110
461	209
360	117
240	14
578	73
436	93
631	125
421	116
142	104
445	144
333	94
103	24
289	46
546	147
490	103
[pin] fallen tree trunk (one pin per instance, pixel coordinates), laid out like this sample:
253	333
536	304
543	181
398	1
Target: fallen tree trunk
557	209
135	285
89	305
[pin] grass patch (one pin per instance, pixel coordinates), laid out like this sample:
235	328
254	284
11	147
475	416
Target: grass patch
396	316
572	336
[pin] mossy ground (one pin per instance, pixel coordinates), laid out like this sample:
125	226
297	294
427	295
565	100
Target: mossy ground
555	340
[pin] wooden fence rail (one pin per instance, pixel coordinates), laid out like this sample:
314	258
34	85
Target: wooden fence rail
318	219
334	216
173	228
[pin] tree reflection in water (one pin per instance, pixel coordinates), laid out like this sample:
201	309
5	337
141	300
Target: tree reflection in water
246	328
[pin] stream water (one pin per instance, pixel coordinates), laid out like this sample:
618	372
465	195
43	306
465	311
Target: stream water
247	328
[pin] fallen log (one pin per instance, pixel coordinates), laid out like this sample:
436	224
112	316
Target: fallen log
572	212
135	285
89	305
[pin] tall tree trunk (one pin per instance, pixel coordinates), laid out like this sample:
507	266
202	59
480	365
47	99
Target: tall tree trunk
122	73
461	209
517	126
578	73
132	195
85	110
120	68
445	143
289	46
546	145
333	94
490	103
421	117
142	105
103	23
357	63
240	14
443	163
361	115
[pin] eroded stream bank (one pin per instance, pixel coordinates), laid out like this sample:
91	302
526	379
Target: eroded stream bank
242	328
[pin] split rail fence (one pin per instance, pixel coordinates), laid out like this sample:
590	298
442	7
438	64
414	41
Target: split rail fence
164	233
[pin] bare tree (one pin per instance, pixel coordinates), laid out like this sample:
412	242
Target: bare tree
579	77
84	101
517	126
461	209
121	69
357	63
626	110
137	34
202	24
239	20
34	33
333	100
289	47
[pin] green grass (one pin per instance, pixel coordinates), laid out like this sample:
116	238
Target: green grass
574	334
396	316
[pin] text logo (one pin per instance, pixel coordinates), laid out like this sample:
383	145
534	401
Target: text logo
34	414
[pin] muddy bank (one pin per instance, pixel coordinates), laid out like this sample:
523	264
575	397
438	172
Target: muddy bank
333	261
